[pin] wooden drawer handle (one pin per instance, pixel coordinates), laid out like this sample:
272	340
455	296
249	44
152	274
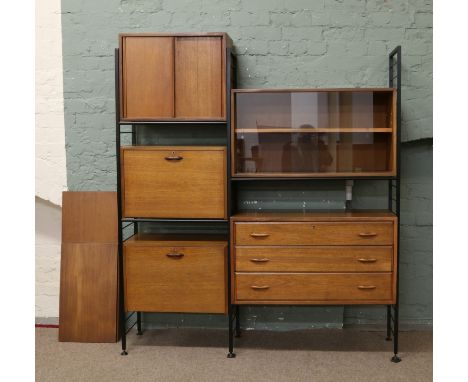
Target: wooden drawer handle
367	260
259	234
264	260
367	234
366	287
175	255
260	287
174	157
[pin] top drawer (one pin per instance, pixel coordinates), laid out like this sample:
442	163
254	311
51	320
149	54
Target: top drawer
311	233
174	182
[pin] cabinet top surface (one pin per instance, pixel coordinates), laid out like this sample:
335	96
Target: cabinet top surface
299	90
175	34
194	240
326	215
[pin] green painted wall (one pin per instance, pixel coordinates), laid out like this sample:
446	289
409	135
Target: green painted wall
279	43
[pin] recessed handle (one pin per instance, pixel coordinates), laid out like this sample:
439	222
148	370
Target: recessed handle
260	287
367	234
367	260
259	234
264	260
174	158
175	255
366	287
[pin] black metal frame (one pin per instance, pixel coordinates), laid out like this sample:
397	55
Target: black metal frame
394	59
234	310
123	317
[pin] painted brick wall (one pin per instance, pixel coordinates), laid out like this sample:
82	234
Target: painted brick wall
279	43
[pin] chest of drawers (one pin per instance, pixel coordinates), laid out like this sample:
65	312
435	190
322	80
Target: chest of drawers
314	258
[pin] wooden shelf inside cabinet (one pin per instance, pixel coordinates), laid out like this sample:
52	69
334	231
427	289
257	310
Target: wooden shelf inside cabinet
313	133
314	130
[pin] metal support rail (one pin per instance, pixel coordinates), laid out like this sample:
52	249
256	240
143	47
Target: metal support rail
394	62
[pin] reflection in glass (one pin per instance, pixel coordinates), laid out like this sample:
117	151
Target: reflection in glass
300	132
318	110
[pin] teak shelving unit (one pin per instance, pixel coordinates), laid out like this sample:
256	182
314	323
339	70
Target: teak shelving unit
239	289
352	257
170	95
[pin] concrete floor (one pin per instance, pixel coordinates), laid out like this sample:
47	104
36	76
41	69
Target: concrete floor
200	355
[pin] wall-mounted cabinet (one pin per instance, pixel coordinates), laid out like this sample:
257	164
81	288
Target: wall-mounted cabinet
167	77
323	132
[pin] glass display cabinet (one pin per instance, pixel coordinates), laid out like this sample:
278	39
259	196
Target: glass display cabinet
314	132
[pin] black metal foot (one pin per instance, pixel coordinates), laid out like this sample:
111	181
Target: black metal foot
124	352
231	355
139	333
396	359
388	338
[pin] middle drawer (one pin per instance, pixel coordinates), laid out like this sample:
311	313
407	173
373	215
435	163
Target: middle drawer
314	259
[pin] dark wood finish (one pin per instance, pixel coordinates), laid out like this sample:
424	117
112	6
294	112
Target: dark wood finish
89	217
179	277
199	80
153	65
148	77
354	288
314	259
174	182
88	292
314	233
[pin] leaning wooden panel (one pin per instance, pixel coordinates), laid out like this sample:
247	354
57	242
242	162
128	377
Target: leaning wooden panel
199	78
89	217
175	278
88	292
174	182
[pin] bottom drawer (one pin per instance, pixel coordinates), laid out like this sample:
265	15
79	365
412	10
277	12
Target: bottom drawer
175	279
326	288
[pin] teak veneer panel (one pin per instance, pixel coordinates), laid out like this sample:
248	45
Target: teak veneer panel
328	288
158	281
88	292
314	233
314	259
89	217
148	77
312	216
191	187
199	86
